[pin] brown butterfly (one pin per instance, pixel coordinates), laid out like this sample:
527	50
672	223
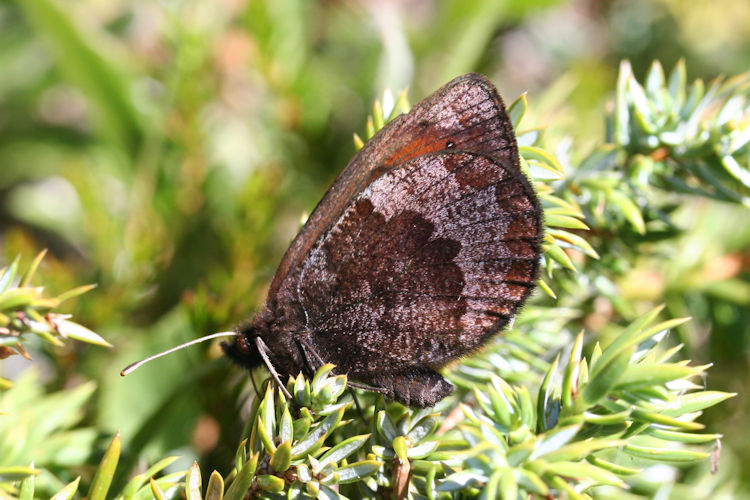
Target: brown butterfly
424	247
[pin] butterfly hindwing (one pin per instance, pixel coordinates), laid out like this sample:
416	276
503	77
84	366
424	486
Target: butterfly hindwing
430	259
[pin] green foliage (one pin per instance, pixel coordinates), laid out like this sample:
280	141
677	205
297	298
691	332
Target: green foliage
507	445
669	136
25	311
596	421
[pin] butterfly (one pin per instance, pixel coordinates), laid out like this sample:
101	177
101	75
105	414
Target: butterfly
422	249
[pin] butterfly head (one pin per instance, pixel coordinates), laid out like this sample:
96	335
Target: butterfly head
243	349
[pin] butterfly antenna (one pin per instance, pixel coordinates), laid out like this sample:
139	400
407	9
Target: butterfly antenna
133	367
263	350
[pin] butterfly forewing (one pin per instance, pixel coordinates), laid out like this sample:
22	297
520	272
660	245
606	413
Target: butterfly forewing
467	113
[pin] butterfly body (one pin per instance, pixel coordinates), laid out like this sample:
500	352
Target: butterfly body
422	249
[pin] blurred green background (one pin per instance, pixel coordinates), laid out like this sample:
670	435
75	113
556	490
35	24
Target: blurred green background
167	150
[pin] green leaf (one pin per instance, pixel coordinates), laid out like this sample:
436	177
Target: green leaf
326	493
508	484
531	482
163	483
490	490
562	485
558	255
628	209
243	480
421	450
286	426
608	419
622	112
630	336
336	386
680	437
552	220
528	412
423	428
267	418
696	401
655	81
377	115
520	453
620	470
546	288
8	274
302	427
358	142
570	378
400	106
461	480
399	448
664	454
385	426
75	331
647	374
136	482
193	483
677	84
13	472
554	439
320	377
530	137
579	450
544	400
517	109
584	470
75	292
26	491
737	171
604	377
641	107
357	471
542	158
68	491
314	440
343	449
17	298
156	490
26	278
106	470
215	488
270	483
282	457
264	437
573	239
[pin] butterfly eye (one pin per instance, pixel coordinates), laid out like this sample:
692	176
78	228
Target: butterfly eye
242	344
450	144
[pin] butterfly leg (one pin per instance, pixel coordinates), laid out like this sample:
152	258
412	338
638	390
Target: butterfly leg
308	353
263	351
312	359
417	386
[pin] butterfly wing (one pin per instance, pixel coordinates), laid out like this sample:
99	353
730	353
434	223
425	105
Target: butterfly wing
425	245
466	113
428	261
